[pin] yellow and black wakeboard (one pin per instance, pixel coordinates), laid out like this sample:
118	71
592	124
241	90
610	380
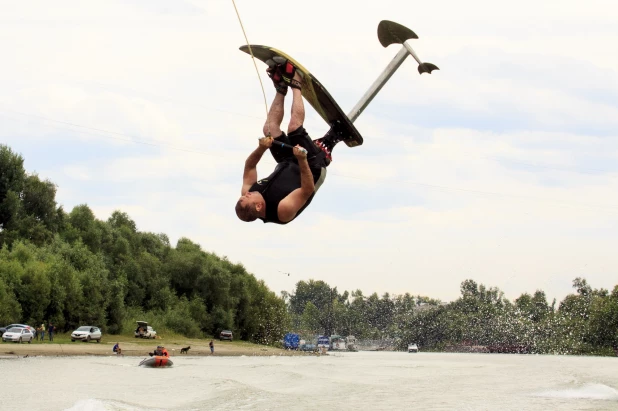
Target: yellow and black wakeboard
316	95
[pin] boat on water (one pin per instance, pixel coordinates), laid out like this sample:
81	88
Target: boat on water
156	361
337	343
341	343
350	342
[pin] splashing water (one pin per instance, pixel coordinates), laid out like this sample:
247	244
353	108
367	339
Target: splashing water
588	391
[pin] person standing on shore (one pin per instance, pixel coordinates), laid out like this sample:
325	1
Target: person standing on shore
50	331
212	347
42	332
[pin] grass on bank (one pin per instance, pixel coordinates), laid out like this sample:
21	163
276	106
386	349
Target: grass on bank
170	339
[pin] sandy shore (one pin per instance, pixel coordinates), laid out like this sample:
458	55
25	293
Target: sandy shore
140	348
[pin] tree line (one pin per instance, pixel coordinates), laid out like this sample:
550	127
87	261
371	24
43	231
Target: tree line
72	269
585	322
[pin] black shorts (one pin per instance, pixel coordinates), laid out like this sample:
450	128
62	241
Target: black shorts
315	157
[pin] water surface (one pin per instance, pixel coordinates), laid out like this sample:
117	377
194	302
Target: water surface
340	381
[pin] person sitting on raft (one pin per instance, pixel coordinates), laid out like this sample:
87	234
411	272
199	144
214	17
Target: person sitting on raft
160	351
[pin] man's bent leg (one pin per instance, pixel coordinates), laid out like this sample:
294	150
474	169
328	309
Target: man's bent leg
315	156
272	127
314	153
297	133
298	107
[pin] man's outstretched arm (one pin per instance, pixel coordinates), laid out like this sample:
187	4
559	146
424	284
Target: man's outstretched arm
289	206
249	176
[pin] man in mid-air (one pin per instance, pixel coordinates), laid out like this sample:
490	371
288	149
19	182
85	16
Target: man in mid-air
284	194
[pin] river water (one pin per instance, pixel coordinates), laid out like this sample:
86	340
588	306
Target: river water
340	381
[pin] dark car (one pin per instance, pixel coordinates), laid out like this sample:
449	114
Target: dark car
308	347
3	329
225	335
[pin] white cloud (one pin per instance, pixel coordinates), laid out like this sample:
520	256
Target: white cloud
499	167
78	172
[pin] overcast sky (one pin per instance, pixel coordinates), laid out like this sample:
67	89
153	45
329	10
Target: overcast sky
501	167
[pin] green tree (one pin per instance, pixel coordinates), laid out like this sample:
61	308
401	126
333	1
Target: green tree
310	319
10	309
12	176
82	224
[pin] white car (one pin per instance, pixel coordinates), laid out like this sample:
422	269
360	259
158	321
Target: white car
143	330
412	348
18	334
86	333
4	329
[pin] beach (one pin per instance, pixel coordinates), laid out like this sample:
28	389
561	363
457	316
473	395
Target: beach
139	347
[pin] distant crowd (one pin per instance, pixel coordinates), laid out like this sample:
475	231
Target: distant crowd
39	332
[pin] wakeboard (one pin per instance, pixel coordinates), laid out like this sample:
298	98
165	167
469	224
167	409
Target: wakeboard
316	95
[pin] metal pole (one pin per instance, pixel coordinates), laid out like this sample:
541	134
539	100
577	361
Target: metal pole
409	48
379	83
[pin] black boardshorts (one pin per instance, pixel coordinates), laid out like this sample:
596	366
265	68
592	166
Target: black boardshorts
315	156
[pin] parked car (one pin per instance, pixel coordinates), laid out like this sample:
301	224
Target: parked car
143	330
308	347
18	334
3	329
225	335
291	341
323	342
86	333
412	348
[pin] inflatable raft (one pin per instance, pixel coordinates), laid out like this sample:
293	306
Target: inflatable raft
156	361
